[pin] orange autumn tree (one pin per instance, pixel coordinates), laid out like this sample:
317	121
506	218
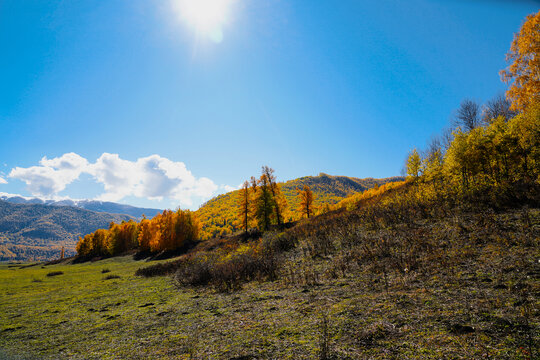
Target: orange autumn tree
306	201
524	70
187	228
94	244
148	233
165	232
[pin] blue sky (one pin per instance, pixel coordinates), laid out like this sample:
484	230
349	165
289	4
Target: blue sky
131	101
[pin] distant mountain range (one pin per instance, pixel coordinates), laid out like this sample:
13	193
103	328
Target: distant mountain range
93	205
36	229
38	232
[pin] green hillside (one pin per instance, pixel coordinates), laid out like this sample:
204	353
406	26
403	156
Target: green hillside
219	215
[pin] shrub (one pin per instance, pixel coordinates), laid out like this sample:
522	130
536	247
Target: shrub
55	273
160	269
194	271
228	272
112	276
278	242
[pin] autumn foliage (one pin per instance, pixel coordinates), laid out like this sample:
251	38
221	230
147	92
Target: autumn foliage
489	161
167	231
524	70
306	207
220	216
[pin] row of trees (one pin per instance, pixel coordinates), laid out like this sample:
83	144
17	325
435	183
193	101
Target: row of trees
494	144
167	231
504	151
261	201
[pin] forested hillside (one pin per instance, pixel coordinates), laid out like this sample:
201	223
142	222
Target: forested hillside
219	216
34	231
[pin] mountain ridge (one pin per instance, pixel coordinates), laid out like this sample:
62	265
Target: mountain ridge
93	205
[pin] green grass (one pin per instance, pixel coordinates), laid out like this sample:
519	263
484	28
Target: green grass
80	314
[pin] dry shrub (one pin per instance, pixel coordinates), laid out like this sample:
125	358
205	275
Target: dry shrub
160	269
372	334
279	242
112	276
55	273
227	273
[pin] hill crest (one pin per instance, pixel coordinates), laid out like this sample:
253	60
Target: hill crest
218	215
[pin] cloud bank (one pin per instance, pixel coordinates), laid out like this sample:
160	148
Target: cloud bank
2	180
153	177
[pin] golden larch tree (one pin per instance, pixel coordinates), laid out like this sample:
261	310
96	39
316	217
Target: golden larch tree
414	164
524	70
306	206
244	205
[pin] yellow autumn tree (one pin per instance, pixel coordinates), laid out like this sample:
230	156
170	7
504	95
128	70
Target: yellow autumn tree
524	71
146	232
414	164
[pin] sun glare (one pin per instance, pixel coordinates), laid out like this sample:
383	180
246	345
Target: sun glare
206	17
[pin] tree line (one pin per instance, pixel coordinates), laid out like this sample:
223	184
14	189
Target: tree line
164	232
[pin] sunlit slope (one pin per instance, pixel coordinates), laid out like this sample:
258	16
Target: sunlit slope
219	215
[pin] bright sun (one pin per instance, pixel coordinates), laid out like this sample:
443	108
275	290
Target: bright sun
206	17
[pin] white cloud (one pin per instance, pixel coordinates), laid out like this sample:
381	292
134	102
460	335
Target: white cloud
229	188
2	180
153	177
67	162
51	176
117	176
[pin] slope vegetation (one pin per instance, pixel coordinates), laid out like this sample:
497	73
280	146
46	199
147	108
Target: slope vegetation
219	215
